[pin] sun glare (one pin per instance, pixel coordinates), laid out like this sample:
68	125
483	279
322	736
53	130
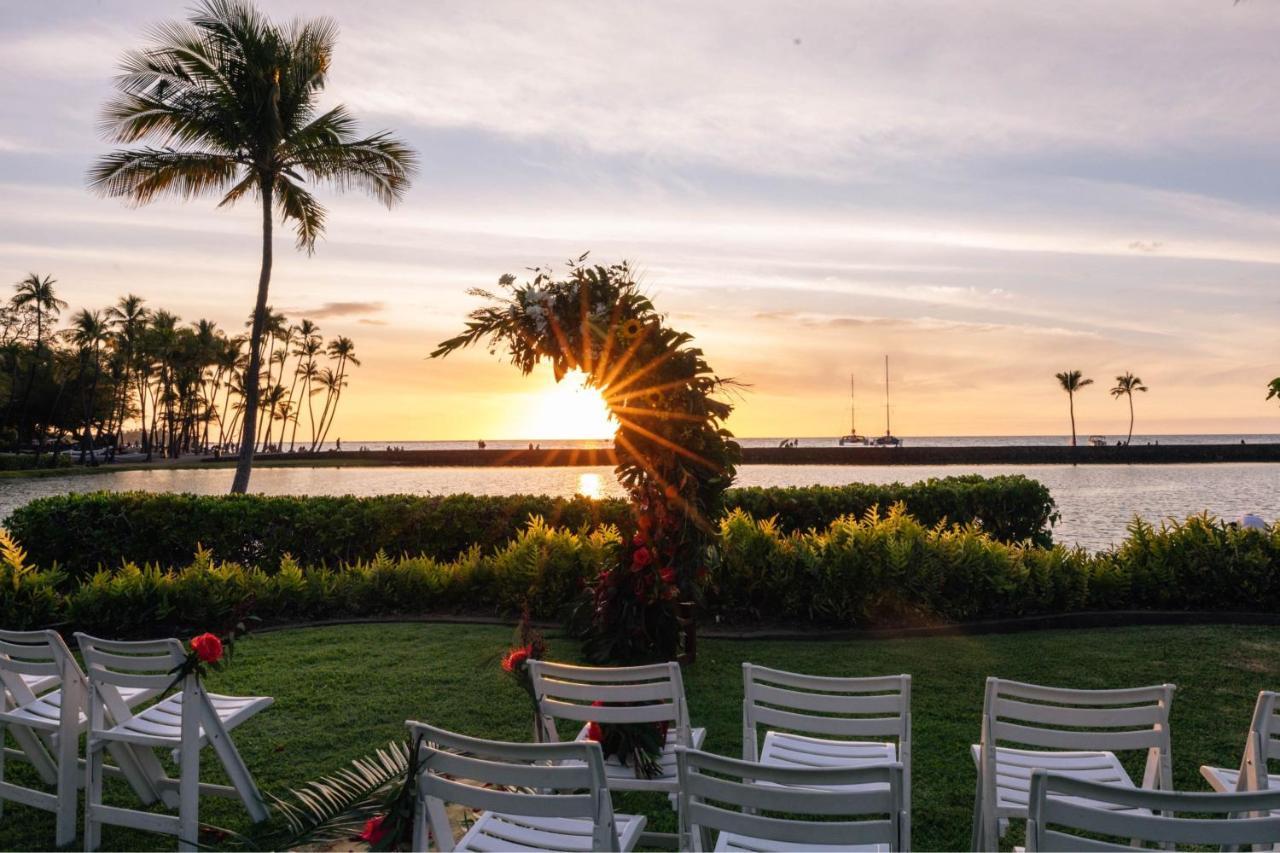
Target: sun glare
569	409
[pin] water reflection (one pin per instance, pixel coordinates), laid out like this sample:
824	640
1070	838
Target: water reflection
590	485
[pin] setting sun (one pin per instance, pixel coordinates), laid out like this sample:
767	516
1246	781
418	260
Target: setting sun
568	409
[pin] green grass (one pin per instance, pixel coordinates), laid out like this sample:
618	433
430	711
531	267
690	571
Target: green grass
342	691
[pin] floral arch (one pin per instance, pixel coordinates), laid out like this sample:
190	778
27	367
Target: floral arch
674	456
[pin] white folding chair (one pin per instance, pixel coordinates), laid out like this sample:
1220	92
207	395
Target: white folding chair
755	807
533	796
801	706
1072	814
566	692
1078	733
185	722
1262	746
45	695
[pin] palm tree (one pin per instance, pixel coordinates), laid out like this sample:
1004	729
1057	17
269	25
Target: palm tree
36	294
1124	387
129	318
344	350
228	101
88	333
1072	381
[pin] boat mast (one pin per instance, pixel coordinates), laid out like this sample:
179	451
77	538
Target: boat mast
853	410
886	396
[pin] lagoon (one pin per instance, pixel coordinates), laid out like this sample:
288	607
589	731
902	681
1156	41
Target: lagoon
1096	502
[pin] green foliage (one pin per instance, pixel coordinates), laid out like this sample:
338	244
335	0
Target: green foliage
29	461
85	532
880	569
29	597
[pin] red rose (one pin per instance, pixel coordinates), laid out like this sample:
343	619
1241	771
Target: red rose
373	830
668	575
207	647
515	659
641	558
594	732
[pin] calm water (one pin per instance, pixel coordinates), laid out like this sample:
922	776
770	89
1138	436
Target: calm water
1096	501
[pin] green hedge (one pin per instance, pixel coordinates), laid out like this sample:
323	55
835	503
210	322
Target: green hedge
29	461
857	572
82	532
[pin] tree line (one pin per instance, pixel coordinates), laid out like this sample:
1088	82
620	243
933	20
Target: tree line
181	387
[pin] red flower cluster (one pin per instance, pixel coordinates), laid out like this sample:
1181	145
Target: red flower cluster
640	558
373	830
208	647
516	659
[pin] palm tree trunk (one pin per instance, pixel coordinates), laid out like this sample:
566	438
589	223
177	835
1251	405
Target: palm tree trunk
244	465
1071	399
1130	438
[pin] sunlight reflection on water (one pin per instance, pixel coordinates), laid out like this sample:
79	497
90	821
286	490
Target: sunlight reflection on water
1096	501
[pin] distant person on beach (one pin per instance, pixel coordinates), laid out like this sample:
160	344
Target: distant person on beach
481	443
339	444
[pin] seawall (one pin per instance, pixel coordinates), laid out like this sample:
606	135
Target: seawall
1155	454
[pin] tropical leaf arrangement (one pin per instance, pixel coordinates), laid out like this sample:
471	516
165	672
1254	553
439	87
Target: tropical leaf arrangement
370	800
675	457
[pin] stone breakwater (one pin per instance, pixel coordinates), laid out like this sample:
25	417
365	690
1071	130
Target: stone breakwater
1153	454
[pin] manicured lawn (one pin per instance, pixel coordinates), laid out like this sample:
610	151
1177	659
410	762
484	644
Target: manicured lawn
342	691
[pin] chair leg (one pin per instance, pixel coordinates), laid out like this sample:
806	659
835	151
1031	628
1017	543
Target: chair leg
92	796
189	782
238	773
68	789
2	740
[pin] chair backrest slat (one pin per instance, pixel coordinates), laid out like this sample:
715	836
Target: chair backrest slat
525	804
1138	815
1113	741
726	795
664	712
507	772
802	833
833	726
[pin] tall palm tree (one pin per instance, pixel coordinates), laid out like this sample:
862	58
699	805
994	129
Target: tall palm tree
344	350
129	317
1071	382
1124	387
228	101
88	333
36	294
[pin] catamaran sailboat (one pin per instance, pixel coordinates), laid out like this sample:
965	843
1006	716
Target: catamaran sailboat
852	438
888	439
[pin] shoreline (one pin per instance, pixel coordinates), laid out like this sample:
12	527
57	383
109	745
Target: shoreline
1156	454
1153	454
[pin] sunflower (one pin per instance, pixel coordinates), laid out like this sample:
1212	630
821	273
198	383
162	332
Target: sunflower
631	328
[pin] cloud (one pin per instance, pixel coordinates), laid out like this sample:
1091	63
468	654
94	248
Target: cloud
340	309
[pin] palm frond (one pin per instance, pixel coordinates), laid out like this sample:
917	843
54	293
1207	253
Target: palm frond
147	173
333	808
301	207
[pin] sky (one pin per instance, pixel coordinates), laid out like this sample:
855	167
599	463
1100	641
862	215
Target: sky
988	193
